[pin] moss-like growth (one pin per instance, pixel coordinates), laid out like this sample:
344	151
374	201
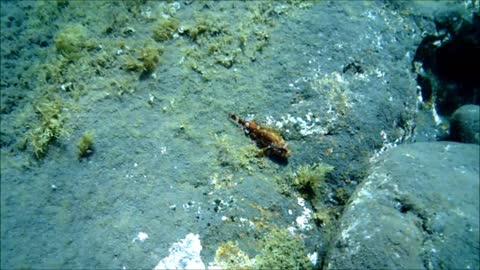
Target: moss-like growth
71	40
282	251
85	145
146	61
209	24
50	126
310	177
323	217
341	195
237	158
230	256
150	56
165	29
133	64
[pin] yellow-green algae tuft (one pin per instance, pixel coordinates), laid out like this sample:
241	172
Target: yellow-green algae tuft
71	40
85	145
310	177
49	127
281	250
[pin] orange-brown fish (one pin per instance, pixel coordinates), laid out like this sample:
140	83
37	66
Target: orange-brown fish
267	139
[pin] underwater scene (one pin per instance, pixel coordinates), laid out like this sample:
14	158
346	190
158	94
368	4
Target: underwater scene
265	134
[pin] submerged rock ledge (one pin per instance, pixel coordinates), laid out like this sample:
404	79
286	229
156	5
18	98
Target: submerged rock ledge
418	209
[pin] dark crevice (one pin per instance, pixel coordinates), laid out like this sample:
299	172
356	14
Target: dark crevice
405	205
451	62
422	221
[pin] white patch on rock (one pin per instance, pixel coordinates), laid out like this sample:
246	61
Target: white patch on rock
141	236
313	257
387	144
346	232
184	254
303	220
436	117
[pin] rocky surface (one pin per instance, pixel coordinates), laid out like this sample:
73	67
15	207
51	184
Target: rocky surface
335	78
418	209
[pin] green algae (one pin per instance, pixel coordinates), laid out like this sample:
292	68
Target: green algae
309	178
71	40
49	127
279	250
85	145
229	256
164	29
146	60
282	251
84	75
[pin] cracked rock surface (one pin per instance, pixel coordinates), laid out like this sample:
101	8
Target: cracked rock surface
418	209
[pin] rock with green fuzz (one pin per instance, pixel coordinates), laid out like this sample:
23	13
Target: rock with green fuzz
282	251
310	177
85	145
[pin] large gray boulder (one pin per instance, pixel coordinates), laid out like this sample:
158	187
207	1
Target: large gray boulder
465	124
418	209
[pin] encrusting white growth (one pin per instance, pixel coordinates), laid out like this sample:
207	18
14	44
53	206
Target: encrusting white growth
304	219
184	254
141	236
313	257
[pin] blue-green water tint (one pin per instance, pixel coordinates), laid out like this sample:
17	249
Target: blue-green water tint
167	161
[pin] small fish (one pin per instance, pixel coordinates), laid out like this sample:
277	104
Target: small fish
266	138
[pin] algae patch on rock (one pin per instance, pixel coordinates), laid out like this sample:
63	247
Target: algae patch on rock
310	177
49	128
165	29
70	40
85	145
282	251
146	60
230	256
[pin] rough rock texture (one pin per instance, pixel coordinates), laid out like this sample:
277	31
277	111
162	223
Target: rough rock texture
335	78
465	124
418	209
